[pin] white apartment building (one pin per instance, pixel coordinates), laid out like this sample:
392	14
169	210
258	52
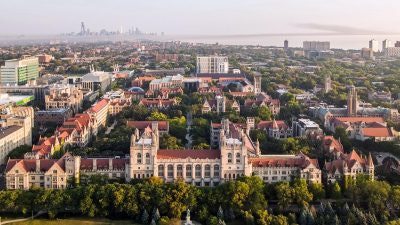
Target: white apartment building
374	45
212	64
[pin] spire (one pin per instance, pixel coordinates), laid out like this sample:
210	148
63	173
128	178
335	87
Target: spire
370	163
274	124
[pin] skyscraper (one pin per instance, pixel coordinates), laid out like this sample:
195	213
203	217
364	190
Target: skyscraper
374	45
286	45
352	103
19	71
257	83
212	64
386	44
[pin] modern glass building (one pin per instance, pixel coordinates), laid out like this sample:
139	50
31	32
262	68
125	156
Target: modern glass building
19	71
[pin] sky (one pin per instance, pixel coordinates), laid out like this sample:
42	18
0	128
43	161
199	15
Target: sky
201	17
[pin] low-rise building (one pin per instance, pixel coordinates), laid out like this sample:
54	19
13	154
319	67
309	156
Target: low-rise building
349	165
52	116
305	127
277	129
64	96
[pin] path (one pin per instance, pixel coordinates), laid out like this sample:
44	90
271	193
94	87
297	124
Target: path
24	219
380	156
110	128
188	137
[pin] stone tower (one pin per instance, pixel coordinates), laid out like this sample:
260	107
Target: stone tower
352	102
143	153
257	83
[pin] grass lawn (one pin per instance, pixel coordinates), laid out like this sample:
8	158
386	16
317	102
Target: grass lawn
77	221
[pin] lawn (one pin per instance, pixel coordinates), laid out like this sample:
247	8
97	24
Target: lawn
84	221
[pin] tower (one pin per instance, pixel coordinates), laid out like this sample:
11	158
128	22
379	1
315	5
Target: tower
83	29
352	102
257	83
328	84
221	103
250	124
286	45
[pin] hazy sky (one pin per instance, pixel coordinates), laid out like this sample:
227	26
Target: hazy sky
201	16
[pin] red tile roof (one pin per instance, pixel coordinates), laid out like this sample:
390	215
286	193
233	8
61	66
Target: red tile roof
183	154
141	125
99	105
377	132
301	161
270	124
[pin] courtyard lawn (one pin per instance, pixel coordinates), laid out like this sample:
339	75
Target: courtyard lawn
77	221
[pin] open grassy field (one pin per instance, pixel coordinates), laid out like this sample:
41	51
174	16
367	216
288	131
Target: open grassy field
78	221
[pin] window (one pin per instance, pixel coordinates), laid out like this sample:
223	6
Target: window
207	171
198	171
147	158
161	170
170	171
237	157
54	171
139	158
188	171
179	171
32	177
229	157
216	170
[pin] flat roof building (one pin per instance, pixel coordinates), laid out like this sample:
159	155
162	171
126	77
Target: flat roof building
19	71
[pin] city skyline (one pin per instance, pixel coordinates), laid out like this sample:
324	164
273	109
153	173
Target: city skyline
223	17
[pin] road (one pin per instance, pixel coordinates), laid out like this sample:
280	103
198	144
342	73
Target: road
110	128
380	156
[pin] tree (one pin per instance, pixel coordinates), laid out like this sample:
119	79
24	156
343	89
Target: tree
341	134
220	213
145	217
336	191
157	116
19	152
301	195
156	215
169	142
284	193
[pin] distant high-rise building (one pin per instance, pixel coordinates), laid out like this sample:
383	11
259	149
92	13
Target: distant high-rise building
257	83
19	71
286	44
392	52
352	102
374	45
397	44
212	64
386	44
367	53
316	45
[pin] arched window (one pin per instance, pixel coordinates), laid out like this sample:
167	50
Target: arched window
179	171
216	170
198	171
237	157
161	170
139	158
188	171
229	157
207	171
170	171
147	158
